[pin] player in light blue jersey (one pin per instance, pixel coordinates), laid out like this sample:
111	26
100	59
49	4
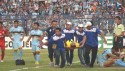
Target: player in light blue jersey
37	36
17	35
110	57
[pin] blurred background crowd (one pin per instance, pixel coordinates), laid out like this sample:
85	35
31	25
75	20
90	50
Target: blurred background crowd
100	12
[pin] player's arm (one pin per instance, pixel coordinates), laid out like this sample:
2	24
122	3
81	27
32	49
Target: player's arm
28	39
113	56
7	32
10	36
83	41
45	33
104	39
22	36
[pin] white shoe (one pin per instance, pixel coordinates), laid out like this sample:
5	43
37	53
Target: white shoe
68	64
51	64
2	61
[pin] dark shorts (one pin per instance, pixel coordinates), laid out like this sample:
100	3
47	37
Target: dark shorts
118	43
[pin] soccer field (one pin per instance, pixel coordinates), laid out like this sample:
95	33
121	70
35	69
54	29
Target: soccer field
9	64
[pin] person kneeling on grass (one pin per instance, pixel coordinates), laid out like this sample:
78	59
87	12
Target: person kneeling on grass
110	57
58	40
37	36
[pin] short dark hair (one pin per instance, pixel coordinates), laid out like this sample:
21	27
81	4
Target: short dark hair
53	21
118	17
36	23
16	21
58	29
115	48
1	22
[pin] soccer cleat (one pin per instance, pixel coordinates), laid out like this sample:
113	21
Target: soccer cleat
37	63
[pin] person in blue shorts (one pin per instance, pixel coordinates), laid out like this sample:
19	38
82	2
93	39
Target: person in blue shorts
17	35
37	36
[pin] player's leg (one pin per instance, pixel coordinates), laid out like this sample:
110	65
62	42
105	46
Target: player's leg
2	52
50	52
94	54
71	55
109	62
63	59
57	57
20	50
34	52
67	57
15	47
87	52
37	55
122	51
80	55
120	62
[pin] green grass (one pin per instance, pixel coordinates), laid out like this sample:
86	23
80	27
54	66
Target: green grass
9	64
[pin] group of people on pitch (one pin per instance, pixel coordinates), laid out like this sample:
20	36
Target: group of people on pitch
87	38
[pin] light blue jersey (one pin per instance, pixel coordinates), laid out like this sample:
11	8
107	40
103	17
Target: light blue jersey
35	42
104	55
16	35
103	59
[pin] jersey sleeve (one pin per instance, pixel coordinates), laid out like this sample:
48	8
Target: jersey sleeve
11	29
122	27
98	31
47	30
22	29
75	34
51	41
31	33
41	32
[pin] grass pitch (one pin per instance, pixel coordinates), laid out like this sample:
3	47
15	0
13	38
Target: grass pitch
9	64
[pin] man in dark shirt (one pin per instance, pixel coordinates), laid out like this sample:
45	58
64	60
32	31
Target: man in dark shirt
50	32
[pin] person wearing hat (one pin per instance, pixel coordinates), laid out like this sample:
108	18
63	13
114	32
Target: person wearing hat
17	35
69	35
3	33
80	35
91	43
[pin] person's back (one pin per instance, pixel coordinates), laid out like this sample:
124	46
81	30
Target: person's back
104	56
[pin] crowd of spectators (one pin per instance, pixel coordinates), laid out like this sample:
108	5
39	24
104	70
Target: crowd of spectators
100	12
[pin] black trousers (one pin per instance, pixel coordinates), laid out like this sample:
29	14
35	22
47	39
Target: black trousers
50	52
69	55
93	56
